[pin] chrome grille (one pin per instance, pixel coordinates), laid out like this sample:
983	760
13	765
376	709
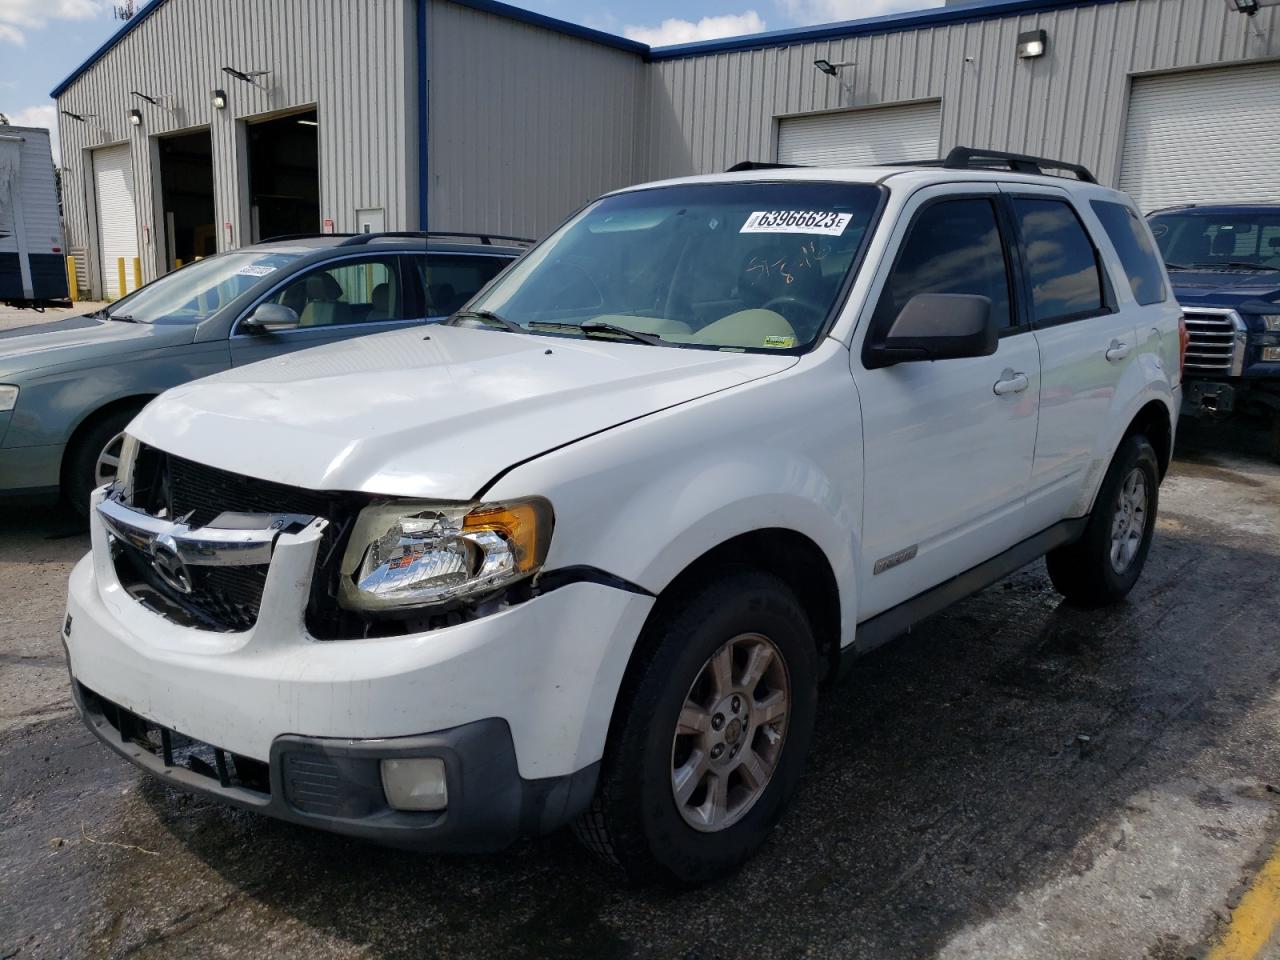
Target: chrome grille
1217	342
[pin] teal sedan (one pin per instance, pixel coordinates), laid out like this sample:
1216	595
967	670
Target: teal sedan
68	388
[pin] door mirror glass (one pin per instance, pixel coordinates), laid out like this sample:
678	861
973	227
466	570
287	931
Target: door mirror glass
269	318
939	326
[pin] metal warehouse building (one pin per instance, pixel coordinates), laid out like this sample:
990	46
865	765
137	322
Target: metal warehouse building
208	124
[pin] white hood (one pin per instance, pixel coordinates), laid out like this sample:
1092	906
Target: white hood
433	412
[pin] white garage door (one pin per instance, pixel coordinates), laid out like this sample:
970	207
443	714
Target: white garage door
117	227
1206	136
908	132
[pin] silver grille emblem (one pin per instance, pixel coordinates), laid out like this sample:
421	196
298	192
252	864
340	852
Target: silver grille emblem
169	566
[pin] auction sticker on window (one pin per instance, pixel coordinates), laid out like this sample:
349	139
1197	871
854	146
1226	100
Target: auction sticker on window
256	270
824	222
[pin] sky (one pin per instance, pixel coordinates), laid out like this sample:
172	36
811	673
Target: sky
41	41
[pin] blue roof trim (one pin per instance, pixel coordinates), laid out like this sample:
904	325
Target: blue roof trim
559	26
933	17
129	26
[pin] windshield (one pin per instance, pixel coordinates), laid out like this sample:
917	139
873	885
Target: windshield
743	266
1226	241
194	292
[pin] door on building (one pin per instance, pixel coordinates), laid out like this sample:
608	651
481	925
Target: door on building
1205	136
358	295
284	175
905	132
186	194
117	219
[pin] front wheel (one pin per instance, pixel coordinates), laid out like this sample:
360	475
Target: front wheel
95	457
1104	564
710	733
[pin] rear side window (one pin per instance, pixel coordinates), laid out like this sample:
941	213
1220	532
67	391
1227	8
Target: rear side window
1062	265
453	279
1133	244
953	246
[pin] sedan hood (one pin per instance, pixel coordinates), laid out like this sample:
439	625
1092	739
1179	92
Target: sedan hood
434	415
23	349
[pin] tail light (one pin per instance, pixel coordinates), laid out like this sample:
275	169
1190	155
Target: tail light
1184	340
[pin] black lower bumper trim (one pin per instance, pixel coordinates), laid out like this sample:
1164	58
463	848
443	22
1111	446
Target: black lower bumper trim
336	784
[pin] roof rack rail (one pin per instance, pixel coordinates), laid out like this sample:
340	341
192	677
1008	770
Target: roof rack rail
303	236
967	158
742	165
485	238
972	158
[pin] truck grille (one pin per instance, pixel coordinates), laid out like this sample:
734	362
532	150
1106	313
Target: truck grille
222	598
1216	346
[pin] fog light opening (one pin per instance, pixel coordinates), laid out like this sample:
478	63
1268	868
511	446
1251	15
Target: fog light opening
415	783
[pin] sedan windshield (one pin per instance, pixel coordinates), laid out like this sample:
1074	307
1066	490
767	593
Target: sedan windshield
1204	240
199	289
742	266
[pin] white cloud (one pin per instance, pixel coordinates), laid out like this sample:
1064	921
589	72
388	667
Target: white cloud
43	115
19	16
804	12
708	28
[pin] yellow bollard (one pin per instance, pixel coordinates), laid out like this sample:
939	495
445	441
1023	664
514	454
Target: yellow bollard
137	273
120	276
73	287
177	264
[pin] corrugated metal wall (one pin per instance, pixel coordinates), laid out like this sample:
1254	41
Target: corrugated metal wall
356	60
711	111
526	124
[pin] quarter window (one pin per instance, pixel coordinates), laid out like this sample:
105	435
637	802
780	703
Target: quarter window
1062	264
1132	241
954	246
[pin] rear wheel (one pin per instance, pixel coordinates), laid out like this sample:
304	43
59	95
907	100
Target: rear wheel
710	733
1104	564
95	457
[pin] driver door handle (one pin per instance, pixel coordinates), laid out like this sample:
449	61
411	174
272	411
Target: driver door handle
1010	382
1117	351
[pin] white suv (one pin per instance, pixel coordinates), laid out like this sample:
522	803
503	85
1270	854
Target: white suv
587	552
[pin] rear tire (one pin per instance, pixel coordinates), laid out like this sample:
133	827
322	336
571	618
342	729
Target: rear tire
724	692
88	464
1103	565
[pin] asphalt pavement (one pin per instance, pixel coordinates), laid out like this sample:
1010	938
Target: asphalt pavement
1014	779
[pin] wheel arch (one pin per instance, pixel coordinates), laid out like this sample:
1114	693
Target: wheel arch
91	419
1155	422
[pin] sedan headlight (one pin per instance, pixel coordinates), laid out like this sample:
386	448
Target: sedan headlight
8	397
404	555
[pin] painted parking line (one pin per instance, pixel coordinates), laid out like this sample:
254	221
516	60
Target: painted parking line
1255	919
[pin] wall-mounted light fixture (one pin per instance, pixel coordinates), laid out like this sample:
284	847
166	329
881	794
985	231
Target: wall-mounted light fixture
220	99
831	69
1032	44
248	76
151	100
77	116
135	117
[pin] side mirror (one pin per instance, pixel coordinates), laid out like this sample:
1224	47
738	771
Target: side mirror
938	326
270	318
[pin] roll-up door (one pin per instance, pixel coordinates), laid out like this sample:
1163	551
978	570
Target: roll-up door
907	132
1206	136
117	222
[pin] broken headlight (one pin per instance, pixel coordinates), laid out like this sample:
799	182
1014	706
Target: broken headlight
404	555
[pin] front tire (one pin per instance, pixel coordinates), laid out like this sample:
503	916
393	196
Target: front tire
95	457
710	733
1104	564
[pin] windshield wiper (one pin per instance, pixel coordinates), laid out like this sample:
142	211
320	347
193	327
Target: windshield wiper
1177	266
127	318
602	326
1236	265
489	317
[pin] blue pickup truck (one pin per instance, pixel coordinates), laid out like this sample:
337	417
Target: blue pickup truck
1224	263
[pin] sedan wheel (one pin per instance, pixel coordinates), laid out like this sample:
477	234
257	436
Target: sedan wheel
107	466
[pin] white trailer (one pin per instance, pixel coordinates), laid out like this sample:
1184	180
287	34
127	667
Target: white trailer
33	268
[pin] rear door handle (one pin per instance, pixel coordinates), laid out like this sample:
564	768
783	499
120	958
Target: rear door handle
1011	382
1117	351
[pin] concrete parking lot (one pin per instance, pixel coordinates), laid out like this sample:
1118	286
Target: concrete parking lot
1016	778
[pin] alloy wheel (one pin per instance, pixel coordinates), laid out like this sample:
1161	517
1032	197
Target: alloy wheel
1130	521
107	465
730	733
